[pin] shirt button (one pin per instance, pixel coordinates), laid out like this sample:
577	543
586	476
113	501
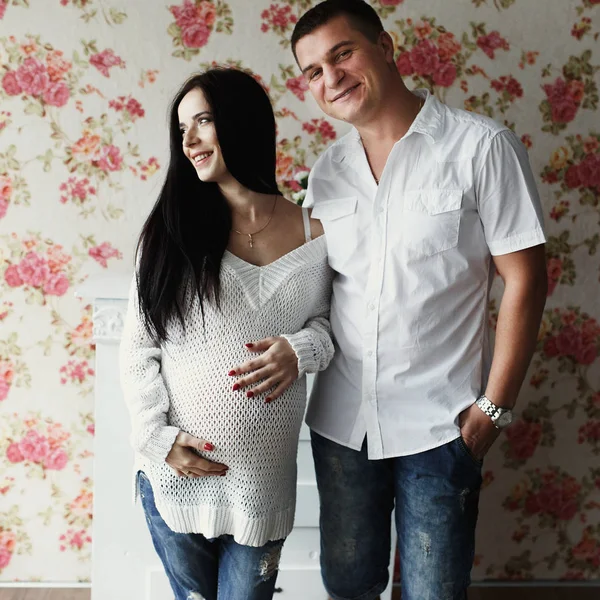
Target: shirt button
370	353
371	306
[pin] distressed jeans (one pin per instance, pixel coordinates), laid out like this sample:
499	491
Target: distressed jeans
210	569
436	496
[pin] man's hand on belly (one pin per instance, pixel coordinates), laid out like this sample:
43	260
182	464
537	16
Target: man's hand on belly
277	367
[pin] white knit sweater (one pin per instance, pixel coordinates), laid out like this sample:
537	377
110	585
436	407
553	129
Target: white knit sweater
184	385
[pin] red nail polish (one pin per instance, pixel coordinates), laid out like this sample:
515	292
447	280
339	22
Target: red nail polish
208	446
231	373
267	400
223	474
250	394
236	387
249	345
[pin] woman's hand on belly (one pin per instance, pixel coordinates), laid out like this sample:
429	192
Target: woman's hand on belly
183	459
276	366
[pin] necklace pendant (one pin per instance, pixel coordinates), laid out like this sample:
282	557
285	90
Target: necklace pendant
251	240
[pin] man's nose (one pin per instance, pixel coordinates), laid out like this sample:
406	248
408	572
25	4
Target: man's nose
332	75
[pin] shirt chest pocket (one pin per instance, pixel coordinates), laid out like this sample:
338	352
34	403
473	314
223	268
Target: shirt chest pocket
430	221
337	216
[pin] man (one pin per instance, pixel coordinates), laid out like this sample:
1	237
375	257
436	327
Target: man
420	203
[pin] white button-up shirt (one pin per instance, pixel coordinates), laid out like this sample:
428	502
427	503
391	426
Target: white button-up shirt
413	260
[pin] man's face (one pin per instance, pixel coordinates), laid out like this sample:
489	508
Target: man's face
346	73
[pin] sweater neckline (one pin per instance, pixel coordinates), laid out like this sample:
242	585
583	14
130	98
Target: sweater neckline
307	247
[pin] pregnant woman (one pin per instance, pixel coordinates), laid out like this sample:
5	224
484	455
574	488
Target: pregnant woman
228	311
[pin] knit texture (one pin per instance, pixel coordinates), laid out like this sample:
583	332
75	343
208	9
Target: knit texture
184	385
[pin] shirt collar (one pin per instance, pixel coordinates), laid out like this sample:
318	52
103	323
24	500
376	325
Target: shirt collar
431	117
429	122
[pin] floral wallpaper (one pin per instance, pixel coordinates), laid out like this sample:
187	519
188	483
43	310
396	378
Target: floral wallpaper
84	89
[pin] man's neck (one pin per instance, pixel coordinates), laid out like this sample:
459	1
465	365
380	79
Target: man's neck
391	122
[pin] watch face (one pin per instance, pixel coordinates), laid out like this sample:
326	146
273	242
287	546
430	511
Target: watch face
504	419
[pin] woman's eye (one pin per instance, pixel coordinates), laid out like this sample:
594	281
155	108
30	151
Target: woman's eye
343	54
314	74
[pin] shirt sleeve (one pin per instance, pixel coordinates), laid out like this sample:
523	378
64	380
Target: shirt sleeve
507	197
143	386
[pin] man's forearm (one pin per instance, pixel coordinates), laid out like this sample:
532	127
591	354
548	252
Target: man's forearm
518	325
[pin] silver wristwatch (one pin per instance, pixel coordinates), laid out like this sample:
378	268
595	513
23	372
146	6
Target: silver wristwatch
501	417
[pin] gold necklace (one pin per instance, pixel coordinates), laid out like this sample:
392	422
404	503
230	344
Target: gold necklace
250	240
421	103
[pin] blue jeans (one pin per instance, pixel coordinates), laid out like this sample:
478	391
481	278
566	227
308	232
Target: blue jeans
210	569
436	494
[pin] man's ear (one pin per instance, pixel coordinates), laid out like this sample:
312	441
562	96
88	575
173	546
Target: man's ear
386	43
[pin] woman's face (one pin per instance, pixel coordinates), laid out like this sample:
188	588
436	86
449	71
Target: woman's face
199	137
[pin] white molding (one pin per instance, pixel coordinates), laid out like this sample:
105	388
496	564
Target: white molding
108	319
50	585
111	286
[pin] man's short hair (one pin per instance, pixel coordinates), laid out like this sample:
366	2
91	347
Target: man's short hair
361	16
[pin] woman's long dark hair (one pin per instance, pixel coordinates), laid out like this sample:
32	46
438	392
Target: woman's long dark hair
182	243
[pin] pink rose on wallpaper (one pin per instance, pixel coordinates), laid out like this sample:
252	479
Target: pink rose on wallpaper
424	57
14	454
6	376
559	501
5	187
56	460
392	2
57	259
554	269
103	252
562	101
134	108
445	75
404	64
5	553
492	42
3	207
589	171
195	36
105	60
56	285
572	178
33	269
11	276
448	47
57	66
34	447
3	5
10	84
56	94
568	341
4	389
91	429
32	76
186	14
109	158
298	86
523	438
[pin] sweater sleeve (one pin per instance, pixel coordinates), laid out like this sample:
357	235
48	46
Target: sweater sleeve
313	344
143	386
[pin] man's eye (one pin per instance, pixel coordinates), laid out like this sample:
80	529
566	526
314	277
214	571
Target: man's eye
343	54
314	74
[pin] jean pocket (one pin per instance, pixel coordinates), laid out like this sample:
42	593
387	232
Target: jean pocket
467	451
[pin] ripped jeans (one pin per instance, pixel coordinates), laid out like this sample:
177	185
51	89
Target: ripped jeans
436	494
215	569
